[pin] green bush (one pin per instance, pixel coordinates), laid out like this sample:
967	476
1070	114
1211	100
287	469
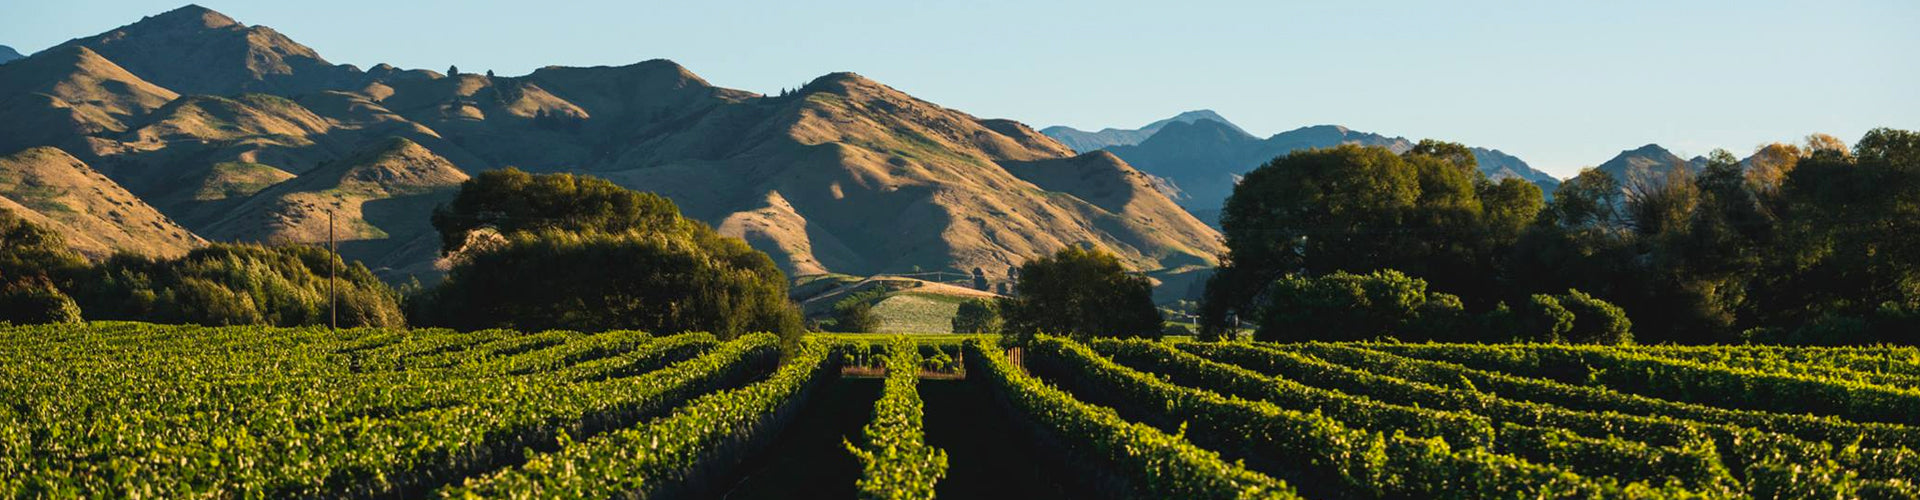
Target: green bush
1345	306
581	253
661	283
1081	292
1595	321
36	301
978	316
1571	318
1543	319
239	284
853	315
511	201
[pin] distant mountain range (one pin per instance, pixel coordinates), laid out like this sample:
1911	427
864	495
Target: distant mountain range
1650	162
1084	141
1200	155
190	126
8	54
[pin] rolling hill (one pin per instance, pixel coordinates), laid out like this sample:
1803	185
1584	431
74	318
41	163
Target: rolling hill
240	133
53	189
7	54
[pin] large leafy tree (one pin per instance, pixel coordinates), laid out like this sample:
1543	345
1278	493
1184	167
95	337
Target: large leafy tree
581	253
1081	292
589	281
1427	212
978	316
1849	257
28	251
32	260
511	201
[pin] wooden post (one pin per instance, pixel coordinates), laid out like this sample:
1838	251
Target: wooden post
333	295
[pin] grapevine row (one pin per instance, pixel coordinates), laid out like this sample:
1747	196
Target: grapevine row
1146	461
895	458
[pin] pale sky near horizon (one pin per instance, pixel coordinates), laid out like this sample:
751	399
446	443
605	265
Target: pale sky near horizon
1560	84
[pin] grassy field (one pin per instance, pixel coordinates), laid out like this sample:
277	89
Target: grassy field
911	312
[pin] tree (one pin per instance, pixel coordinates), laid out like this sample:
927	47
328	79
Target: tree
1081	292
979	279
509	201
1543	319
1595	321
978	316
1850	236
489	74
453	71
1428	213
1453	153
854	316
30	251
581	253
239	284
36	301
587	281
1348	307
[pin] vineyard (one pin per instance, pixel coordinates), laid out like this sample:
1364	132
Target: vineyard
131	410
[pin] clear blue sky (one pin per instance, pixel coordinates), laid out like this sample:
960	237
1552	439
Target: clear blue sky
1560	84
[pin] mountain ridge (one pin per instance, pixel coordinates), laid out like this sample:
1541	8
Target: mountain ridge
1200	160
1649	163
242	134
1084	141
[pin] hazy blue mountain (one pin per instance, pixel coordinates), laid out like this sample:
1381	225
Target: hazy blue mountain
1650	162
1199	156
1204	159
8	54
1083	141
1500	165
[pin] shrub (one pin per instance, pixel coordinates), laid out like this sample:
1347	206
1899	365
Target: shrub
1083	293
853	315
239	284
581	253
660	283
1543	319
1574	318
1596	321
1345	306
511	201
978	316
28	250
36	301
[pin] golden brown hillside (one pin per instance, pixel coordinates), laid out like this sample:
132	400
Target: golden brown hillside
53	189
847	175
61	96
194	50
378	198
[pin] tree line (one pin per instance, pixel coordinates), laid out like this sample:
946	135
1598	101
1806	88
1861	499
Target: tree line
527	252
1813	243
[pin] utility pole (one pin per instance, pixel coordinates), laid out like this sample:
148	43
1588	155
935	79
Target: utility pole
333	296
